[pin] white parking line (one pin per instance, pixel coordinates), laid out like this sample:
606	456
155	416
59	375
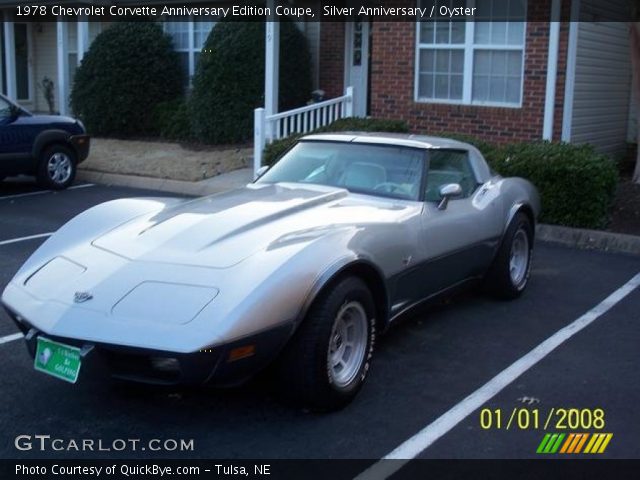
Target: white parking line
22	239
11	338
41	192
427	436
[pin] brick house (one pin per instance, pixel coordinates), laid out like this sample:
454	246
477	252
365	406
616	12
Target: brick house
560	72
564	73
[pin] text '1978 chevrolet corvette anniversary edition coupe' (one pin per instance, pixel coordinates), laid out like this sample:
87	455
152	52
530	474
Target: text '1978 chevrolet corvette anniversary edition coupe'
301	269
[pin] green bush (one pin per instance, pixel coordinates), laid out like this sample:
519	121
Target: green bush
274	150
171	120
229	80
129	68
576	184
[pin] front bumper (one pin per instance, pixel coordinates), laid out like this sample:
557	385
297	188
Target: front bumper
226	364
81	144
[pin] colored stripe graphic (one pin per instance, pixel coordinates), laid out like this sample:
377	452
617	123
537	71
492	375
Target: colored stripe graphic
565	447
583	439
575	443
543	443
550	443
598	443
556	445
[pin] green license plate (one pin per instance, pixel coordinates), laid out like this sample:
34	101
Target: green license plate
58	360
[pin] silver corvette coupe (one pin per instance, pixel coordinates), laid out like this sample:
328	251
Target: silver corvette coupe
302	269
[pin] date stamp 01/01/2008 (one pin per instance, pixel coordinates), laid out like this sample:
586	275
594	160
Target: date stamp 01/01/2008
567	428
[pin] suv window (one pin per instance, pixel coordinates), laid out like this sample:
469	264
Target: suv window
449	166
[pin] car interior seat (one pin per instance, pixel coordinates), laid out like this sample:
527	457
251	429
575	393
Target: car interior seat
363	175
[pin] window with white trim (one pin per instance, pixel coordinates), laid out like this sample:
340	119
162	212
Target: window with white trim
474	63
189	36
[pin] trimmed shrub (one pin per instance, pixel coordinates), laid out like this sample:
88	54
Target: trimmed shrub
229	80
171	120
275	150
129	68
576	184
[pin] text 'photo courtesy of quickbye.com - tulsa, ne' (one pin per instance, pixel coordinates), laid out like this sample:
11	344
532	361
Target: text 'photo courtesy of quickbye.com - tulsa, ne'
345	239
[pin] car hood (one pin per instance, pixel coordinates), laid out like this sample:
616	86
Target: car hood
222	230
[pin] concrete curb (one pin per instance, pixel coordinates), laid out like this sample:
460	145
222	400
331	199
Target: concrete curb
570	237
221	183
589	239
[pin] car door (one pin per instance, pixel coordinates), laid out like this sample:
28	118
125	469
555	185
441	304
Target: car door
15	137
460	239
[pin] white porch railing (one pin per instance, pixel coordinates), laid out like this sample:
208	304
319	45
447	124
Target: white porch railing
267	128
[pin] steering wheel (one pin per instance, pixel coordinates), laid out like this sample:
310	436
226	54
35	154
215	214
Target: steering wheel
389	187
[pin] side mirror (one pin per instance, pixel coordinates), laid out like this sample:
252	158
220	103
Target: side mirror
261	171
448	191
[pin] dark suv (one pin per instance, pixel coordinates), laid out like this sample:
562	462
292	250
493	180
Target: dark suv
47	146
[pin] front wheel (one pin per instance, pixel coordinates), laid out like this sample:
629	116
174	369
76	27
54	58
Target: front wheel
327	361
57	167
509	274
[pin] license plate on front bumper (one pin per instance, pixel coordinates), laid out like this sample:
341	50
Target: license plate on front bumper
58	360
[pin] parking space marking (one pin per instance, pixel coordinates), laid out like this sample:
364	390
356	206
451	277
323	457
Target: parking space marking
11	338
415	445
22	239
41	192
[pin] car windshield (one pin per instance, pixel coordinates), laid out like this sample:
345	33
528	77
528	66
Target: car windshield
8	108
383	170
5	108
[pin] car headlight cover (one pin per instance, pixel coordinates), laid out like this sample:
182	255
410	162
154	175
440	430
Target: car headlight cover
167	303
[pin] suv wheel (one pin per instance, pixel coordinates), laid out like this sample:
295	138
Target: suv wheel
57	167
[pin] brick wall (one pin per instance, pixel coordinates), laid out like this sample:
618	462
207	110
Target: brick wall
392	81
331	62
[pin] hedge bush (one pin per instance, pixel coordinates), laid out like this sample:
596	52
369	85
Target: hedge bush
576	184
171	120
129	68
274	150
229	80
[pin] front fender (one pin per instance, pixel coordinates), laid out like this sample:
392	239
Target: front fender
48	137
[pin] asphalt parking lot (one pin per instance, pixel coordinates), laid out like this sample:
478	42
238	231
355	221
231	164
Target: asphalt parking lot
423	369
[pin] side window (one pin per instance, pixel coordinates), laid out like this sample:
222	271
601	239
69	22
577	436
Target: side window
449	166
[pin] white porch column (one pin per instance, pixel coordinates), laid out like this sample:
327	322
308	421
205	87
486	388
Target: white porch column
63	66
552	71
83	36
10	57
272	63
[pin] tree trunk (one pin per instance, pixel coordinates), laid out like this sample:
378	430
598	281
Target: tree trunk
634	33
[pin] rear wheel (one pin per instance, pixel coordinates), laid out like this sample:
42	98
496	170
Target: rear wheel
327	361
57	167
509	274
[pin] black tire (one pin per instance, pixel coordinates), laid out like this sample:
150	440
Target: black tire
306	376
53	178
500	282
